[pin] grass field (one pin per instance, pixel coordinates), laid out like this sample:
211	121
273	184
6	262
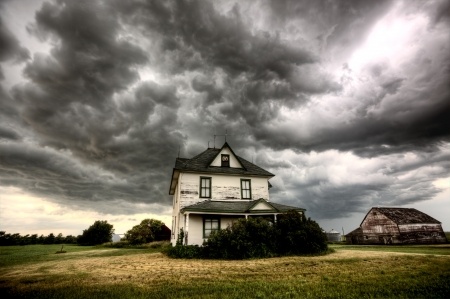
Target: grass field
351	272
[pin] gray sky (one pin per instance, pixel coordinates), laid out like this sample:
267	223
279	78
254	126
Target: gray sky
347	102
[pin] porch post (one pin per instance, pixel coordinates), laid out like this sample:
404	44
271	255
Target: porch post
274	218
186	219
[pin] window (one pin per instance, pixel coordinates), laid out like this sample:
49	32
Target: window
210	225
246	190
225	161
205	187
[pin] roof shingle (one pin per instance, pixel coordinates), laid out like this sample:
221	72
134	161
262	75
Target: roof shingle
406	215
201	163
236	207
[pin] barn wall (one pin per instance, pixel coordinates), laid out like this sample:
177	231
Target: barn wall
422	233
376	228
377	223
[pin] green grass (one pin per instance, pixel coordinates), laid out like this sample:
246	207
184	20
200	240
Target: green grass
442	249
19	255
93	272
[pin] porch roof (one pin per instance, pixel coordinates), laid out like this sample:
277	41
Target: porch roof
239	207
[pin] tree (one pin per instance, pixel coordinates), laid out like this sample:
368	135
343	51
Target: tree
98	233
298	235
148	230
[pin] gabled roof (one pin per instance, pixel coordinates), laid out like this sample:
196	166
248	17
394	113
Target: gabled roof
202	162
238	207
405	215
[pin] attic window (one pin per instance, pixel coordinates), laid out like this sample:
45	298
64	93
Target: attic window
225	161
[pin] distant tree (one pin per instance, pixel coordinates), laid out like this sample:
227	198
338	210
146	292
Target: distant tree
33	239
59	239
70	239
148	230
98	233
50	239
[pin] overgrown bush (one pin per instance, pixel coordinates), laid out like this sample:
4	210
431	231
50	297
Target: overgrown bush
297	235
246	238
126	244
185	251
292	234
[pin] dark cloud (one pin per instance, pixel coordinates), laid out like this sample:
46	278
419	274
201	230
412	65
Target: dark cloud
11	49
127	85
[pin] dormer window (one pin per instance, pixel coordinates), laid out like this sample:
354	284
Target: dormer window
225	161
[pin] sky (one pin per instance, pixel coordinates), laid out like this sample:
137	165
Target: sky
346	102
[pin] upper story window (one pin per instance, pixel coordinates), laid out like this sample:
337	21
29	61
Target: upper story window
225	161
246	189
205	187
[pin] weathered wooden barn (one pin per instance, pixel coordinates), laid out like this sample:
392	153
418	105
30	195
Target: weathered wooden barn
397	226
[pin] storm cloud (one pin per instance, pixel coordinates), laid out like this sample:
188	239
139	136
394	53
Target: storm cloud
347	102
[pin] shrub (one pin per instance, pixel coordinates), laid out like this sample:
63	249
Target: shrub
246	238
185	251
298	235
292	234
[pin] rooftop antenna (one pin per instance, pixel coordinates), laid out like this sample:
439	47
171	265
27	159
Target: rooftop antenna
226	134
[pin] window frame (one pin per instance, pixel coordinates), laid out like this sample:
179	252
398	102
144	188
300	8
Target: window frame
249	190
225	163
210	219
201	188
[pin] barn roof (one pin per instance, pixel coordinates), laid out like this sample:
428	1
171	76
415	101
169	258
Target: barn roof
406	215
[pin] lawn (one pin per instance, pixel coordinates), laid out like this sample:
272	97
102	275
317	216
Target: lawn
350	272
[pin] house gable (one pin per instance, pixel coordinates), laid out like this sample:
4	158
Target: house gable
262	206
226	152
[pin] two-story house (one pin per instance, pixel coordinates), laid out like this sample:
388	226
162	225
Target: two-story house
213	189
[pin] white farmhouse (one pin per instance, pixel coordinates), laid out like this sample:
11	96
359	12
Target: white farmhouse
213	189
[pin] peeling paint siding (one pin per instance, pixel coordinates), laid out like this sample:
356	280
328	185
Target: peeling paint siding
376	223
223	188
379	229
260	191
419	227
226	192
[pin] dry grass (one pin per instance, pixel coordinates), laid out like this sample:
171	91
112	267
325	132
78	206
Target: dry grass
156	268
155	271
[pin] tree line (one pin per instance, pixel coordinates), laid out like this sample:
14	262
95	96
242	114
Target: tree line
17	239
98	233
